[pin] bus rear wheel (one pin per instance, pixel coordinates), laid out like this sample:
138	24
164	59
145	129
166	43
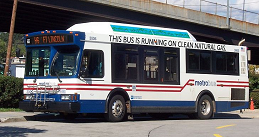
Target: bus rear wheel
116	109
205	107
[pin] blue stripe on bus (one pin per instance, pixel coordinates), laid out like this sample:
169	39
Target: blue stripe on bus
224	106
92	106
98	106
138	103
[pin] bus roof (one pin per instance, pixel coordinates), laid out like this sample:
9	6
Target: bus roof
110	28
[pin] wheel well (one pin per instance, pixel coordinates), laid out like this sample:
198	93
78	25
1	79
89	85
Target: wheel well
117	91
202	93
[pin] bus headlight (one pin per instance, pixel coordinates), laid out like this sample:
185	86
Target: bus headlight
65	97
29	97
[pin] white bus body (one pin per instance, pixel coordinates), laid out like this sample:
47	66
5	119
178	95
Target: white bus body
122	69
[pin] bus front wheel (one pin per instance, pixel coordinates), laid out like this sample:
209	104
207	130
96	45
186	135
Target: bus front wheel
116	109
205	107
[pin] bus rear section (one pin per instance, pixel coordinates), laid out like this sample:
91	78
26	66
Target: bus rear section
121	69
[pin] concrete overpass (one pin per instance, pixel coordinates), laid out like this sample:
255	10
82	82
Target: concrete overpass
36	15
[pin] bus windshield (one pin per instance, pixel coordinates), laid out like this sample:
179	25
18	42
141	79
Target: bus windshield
37	61
65	61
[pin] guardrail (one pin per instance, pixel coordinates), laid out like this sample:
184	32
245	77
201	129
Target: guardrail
216	9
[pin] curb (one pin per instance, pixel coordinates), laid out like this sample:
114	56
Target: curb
37	117
5	120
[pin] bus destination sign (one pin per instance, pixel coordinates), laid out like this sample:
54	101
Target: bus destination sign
49	39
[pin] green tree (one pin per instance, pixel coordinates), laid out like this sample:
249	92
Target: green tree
2	51
17	44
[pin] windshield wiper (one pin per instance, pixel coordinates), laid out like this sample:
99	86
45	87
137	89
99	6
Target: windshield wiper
58	77
53	69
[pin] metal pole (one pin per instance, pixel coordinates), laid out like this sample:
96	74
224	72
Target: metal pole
228	24
230	12
10	41
183	3
200	5
243	11
216	11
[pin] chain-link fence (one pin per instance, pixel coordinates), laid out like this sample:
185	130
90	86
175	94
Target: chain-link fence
255	96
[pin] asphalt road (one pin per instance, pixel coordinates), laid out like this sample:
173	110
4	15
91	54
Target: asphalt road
179	126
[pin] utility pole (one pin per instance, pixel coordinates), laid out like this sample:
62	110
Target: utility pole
10	41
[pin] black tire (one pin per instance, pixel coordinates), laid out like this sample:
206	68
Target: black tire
205	107
116	109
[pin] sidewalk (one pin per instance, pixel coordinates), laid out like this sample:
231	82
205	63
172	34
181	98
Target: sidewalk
27	116
24	116
247	113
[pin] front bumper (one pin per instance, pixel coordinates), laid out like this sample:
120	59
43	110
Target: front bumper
69	107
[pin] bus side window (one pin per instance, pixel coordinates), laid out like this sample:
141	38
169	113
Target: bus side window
199	61
151	64
227	63
171	64
92	64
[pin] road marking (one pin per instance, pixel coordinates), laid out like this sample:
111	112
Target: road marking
225	126
217	135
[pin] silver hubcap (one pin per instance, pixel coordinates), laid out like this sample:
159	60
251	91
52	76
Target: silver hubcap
205	107
117	108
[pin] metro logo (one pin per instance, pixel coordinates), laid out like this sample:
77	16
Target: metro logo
205	83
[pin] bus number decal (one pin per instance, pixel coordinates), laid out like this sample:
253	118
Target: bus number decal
93	38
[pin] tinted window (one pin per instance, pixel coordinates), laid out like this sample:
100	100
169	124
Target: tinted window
227	63
37	62
145	64
92	64
151	67
194	60
170	65
126	63
198	61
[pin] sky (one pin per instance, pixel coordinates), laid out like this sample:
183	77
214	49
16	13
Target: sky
210	7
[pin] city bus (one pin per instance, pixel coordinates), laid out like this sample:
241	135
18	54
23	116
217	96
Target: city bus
120	70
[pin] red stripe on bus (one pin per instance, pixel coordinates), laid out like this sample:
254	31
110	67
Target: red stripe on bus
101	89
141	86
221	85
187	83
40	89
103	85
233	81
147	90
147	86
107	89
29	84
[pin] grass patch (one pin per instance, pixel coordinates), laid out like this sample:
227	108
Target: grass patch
10	110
